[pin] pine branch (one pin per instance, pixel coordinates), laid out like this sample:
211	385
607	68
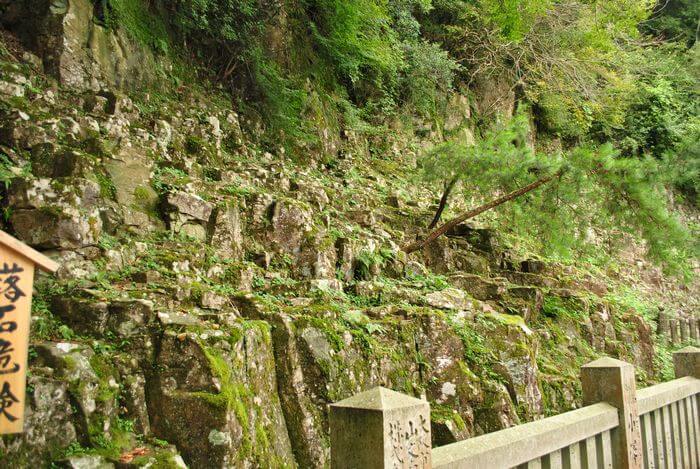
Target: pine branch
420	244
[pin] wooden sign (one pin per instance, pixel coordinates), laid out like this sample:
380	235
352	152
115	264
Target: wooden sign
17	264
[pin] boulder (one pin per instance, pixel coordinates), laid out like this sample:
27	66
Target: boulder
480	238
524	301
227	236
84	316
47	229
452	387
75	49
94	395
130	174
290	222
213	394
315	369
49	427
346	252
189	205
52	214
479	287
317	259
450	298
516	347
86	461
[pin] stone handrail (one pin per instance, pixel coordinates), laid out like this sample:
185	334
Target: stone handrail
524	443
670	416
657	427
655	397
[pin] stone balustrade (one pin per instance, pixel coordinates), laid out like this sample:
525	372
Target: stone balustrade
618	427
677	330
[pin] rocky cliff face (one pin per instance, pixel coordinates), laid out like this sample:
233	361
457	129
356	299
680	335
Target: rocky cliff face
216	295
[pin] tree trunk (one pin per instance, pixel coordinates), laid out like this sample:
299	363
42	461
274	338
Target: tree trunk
443	203
415	246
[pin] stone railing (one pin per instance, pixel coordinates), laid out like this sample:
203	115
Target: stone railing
657	427
677	329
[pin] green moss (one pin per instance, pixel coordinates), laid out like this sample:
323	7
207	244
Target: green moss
140	22
442	413
142	194
557	307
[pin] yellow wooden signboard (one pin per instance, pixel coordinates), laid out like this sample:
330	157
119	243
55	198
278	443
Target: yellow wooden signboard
17	264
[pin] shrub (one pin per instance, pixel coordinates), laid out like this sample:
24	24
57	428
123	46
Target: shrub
356	38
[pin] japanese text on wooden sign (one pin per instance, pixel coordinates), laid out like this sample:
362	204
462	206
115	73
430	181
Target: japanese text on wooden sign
17	263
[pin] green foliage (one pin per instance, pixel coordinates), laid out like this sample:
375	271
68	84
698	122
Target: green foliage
497	160
428	76
366	262
166	178
596	189
663	108
283	101
6	174
675	20
513	18
683	164
556	307
356	37
403	14
212	24
141	22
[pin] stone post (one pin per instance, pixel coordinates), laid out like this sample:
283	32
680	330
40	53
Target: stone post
673	324
693	328
663	326
379	429
686	362
612	381
684	329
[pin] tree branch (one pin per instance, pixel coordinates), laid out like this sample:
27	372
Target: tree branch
443	202
420	244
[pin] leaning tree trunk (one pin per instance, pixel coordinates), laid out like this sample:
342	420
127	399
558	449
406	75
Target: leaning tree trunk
443	203
415	246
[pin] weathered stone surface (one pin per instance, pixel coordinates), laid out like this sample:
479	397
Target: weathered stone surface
347	249
449	298
448	255
317	259
459	112
304	418
380	428
516	347
452	388
76	50
480	238
603	329
93	395
87	461
46	229
213	395
227	236
526	301
84	316
211	300
191	206
48	424
290	223
50	215
479	287
497	411
130	171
